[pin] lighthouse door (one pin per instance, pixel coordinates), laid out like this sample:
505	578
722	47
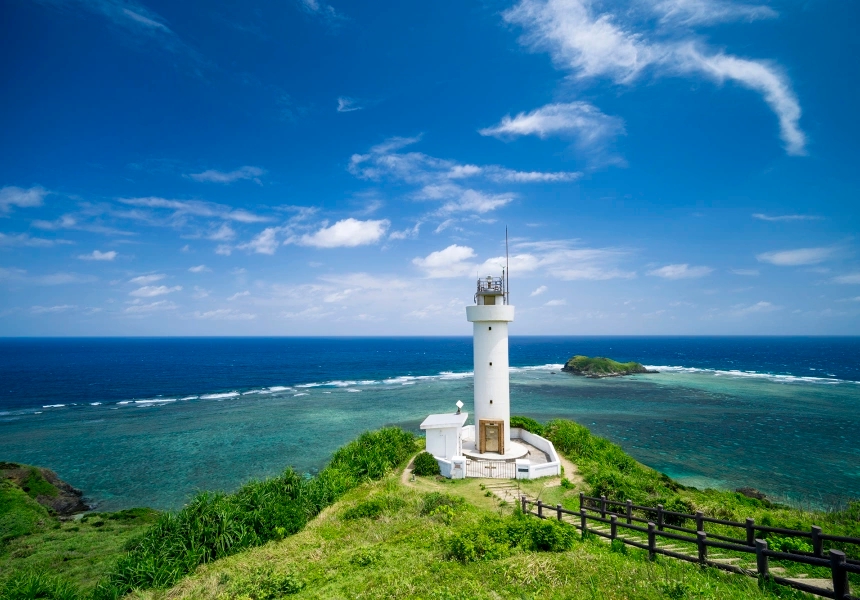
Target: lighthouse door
491	436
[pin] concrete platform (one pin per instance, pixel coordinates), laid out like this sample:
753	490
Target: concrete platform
517	450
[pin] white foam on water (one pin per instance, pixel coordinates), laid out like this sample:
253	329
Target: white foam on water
95	403
737	373
126	402
155	401
38	412
279	388
547	367
190	398
300	394
219	396
54	406
352	390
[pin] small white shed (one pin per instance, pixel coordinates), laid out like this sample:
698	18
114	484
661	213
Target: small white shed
443	433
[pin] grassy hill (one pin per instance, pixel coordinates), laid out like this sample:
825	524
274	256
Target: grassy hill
364	529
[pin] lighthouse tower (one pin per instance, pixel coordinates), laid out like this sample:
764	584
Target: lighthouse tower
490	317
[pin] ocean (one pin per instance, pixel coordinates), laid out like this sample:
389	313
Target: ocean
151	421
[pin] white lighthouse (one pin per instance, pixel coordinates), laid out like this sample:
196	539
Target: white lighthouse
490	317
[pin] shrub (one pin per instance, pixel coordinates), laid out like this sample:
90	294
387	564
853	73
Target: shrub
487	540
528	424
787	544
365	557
425	465
373	508
33	586
433	500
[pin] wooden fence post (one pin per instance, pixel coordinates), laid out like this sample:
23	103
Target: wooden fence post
700	522
603	507
581	500
839	574
613	528
660	517
558	511
817	549
701	536
761	558
750	532
540	509
652	541
583	525
523	499
629	512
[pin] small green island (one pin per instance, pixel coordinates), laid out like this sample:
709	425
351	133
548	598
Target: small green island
599	367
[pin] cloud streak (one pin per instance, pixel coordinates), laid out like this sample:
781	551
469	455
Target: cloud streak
213	176
798	257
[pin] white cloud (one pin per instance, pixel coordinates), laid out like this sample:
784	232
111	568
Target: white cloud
139	308
224	233
147	279
238	295
199	269
556	303
99	255
850	278
747	272
11	196
224	314
562	259
322	10
213	176
476	202
347	233
793	258
758	307
265	242
224	250
200	293
150	291
197	208
680	271
763	217
539	291
707	12
346	104
578	120
596	44
405	234
41	310
453	261
24	239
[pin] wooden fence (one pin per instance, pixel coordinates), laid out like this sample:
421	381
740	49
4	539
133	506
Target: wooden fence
617	515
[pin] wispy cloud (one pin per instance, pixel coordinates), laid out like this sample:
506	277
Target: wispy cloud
147	279
139	308
539	291
590	43
59	278
60	308
151	291
196	208
758	307
11	196
322	10
347	104
238	295
798	257
224	314
265	242
680	271
745	272
213	176
709	12
24	239
775	218
849	278
99	255
199	269
561	302
580	121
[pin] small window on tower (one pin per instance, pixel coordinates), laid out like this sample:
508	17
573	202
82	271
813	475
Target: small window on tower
491	401
489	328
491	364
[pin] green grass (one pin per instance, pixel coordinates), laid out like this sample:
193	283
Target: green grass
600	366
19	514
417	551
80	551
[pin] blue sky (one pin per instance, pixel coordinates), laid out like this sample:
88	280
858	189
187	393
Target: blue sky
304	168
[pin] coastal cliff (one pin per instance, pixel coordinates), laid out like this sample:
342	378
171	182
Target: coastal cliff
599	367
43	486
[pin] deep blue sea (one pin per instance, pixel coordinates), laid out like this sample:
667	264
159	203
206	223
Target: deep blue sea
149	421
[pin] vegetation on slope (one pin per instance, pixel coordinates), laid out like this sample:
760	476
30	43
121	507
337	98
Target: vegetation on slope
601	367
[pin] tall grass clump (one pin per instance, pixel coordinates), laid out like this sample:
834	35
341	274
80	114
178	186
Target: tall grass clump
215	525
33	586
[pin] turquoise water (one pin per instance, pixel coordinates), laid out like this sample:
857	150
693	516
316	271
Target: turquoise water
794	438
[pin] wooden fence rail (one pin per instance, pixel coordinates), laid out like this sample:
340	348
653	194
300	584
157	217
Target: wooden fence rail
836	561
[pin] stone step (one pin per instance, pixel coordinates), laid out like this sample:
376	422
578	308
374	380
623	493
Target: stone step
826	584
725	561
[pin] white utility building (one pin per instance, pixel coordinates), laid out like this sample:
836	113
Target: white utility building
490	447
